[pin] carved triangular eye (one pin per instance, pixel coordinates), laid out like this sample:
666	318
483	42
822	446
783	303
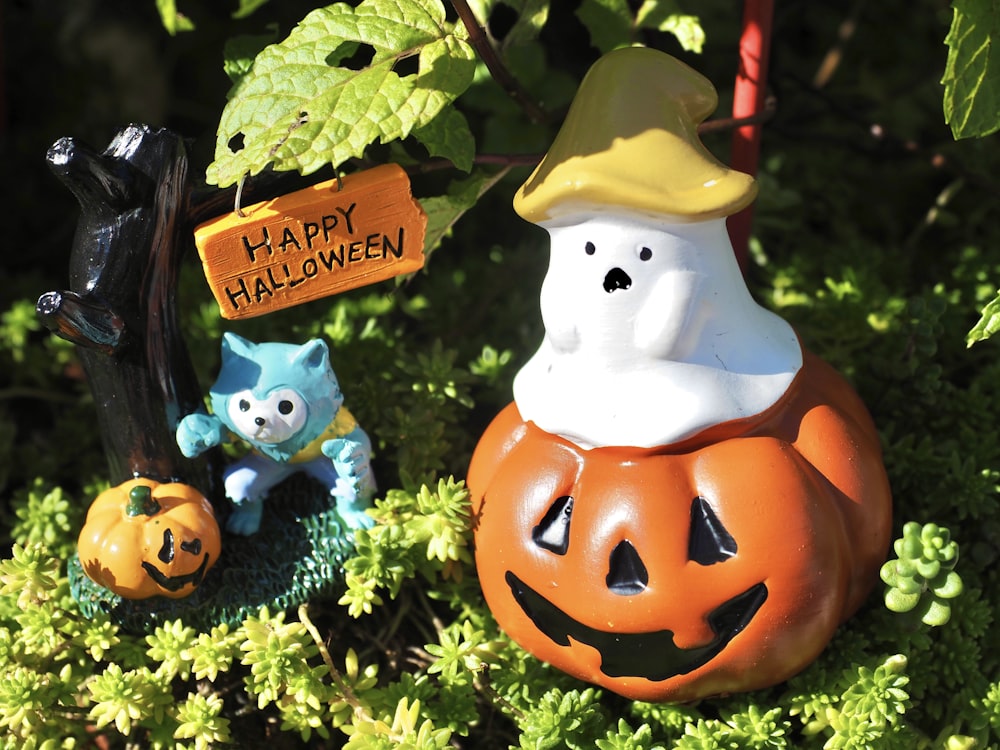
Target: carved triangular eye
709	542
627	575
552	532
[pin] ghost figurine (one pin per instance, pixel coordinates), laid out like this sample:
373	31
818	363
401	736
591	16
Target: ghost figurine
681	501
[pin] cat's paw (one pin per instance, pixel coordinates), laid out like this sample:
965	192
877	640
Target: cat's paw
196	433
347	453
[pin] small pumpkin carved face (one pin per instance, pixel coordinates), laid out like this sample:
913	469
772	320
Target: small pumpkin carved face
667	574
144	539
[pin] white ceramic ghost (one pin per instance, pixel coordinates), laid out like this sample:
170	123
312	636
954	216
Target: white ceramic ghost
650	334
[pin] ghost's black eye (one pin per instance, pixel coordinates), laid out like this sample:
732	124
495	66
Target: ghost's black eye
645	254
589	248
285	406
244	405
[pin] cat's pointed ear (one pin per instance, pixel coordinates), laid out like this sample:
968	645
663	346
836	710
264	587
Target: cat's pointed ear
233	345
314	354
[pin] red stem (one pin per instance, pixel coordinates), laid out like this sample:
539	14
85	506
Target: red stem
748	99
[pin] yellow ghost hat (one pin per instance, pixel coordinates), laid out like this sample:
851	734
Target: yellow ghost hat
630	141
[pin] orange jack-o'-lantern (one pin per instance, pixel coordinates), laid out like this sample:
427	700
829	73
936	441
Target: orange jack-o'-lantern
722	563
142	539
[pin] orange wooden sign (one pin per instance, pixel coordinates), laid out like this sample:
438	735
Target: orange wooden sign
313	243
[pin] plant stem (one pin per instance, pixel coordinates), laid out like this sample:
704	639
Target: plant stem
352	700
481	43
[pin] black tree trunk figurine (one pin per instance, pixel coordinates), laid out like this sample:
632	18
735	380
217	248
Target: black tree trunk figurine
121	306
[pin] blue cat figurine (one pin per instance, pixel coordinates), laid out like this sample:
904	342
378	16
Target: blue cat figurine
285	401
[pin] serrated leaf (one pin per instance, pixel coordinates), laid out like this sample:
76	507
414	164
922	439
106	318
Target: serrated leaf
299	109
247	7
972	73
989	322
531	18
239	52
173	20
609	22
666	16
448	136
444	210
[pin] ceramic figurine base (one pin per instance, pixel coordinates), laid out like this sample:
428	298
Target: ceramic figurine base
298	558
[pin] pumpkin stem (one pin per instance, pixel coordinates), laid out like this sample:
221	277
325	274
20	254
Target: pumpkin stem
141	502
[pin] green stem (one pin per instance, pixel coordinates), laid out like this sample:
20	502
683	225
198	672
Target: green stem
360	712
141	502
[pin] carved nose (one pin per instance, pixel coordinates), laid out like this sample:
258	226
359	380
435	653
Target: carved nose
627	575
259	421
616	279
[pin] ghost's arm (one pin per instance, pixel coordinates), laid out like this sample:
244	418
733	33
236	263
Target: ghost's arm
665	325
559	319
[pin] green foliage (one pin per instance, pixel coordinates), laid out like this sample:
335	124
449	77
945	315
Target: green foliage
972	76
925	558
988	323
301	106
613	23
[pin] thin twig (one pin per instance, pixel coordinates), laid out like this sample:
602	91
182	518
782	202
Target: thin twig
482	44
731	123
349	697
486	685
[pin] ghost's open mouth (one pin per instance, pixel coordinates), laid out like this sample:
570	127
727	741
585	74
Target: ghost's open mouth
616	279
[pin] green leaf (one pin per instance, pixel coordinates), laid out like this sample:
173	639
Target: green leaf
239	52
448	135
666	16
443	211
531	17
300	107
989	322
935	613
609	23
173	20
247	7
972	73
897	601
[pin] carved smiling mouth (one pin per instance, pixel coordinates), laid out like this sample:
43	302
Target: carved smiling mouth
176	583
652	655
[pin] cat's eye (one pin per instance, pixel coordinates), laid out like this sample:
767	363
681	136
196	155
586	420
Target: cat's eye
244	405
285	407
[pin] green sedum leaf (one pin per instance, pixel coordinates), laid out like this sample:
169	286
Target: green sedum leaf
300	108
972	73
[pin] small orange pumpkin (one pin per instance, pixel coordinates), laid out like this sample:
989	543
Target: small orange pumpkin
721	564
143	538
